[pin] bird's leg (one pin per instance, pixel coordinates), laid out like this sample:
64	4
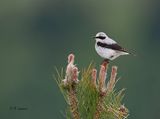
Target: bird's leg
105	62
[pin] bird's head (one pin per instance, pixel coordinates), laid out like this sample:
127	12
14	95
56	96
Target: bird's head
100	36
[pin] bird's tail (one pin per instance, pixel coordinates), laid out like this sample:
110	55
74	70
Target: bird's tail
131	53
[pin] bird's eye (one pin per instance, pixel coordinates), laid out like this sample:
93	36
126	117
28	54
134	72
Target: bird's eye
101	37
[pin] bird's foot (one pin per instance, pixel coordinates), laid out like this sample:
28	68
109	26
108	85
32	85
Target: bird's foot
105	62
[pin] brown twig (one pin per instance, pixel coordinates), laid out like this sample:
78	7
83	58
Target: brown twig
94	77
112	81
73	103
102	90
70	81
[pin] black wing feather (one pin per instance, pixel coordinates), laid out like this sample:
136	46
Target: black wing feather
111	46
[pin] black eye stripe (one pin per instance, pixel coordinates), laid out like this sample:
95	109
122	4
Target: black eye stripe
101	37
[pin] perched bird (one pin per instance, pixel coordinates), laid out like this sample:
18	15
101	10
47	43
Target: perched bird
107	48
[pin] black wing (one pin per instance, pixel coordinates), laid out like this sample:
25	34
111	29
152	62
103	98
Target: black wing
111	46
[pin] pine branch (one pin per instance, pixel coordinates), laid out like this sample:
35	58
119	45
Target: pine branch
102	91
73	103
70	82
90	97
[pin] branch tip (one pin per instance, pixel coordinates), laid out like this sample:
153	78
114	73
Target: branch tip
94	76
71	58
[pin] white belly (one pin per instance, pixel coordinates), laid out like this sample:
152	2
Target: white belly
108	53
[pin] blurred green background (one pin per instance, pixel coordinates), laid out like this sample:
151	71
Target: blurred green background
37	35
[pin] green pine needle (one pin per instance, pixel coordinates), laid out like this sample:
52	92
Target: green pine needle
88	96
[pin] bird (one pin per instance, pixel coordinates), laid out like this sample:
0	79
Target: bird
107	48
